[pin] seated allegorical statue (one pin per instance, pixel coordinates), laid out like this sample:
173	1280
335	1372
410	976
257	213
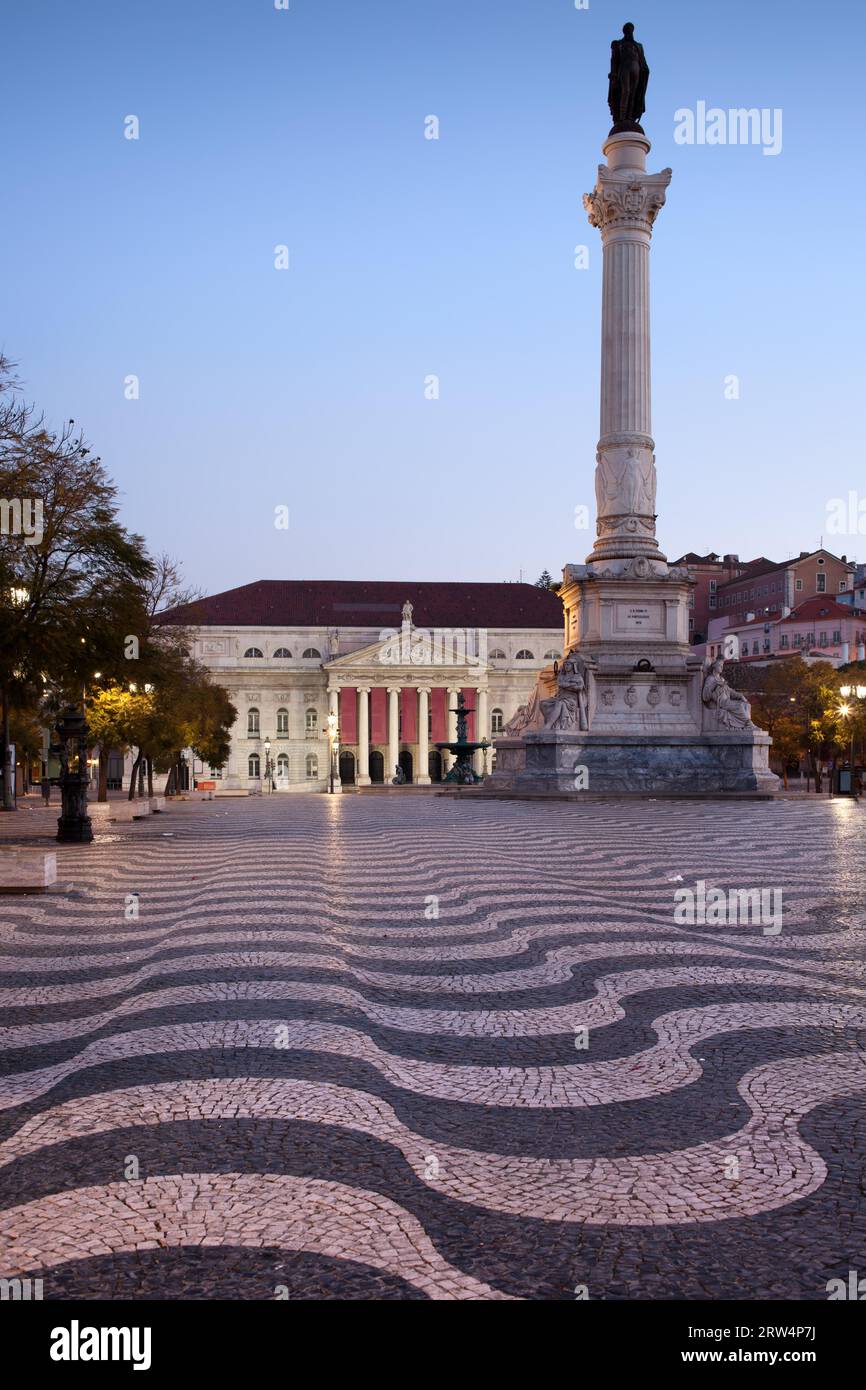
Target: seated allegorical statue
731	708
567	709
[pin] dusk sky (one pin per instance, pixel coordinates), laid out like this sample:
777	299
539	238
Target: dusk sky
409	257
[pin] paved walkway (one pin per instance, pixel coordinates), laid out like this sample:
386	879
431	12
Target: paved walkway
377	1047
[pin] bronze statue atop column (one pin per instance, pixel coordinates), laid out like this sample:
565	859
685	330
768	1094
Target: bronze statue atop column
627	82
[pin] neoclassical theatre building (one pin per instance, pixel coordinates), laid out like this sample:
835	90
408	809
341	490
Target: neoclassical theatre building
388	659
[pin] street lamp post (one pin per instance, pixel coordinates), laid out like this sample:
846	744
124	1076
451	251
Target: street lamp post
333	748
73	825
850	694
269	778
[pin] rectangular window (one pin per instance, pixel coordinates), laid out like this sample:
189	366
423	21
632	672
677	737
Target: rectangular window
799	583
712	600
820	583
783	640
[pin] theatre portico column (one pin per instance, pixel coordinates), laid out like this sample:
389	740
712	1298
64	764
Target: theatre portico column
362	775
448	759
393	732
422	772
334	709
479	759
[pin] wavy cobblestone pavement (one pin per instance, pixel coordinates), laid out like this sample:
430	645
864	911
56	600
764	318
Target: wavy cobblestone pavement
400	1046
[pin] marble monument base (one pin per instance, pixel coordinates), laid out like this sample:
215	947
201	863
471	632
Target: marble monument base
638	764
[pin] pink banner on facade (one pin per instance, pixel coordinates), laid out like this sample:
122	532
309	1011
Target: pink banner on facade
438	699
348	715
409	714
378	715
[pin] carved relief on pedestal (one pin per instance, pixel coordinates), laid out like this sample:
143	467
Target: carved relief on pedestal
625	481
653	697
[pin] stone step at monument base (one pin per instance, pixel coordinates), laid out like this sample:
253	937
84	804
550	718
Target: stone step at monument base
634	765
27	870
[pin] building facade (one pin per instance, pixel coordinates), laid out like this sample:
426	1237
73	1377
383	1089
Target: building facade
380	664
708	571
821	629
763	589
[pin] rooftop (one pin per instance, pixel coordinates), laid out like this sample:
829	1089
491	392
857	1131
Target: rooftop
287	603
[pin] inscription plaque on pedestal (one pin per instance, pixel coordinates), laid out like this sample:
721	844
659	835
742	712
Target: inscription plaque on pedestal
639	618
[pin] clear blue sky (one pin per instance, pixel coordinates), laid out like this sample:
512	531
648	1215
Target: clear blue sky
411	257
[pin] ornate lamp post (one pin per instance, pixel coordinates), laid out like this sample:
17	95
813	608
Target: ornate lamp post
849	694
73	824
269	770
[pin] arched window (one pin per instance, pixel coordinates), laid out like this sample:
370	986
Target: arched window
282	652
552	656
496	655
525	654
311	722
496	721
253	651
312	765
253	765
252	723
283	765
282	722
312	654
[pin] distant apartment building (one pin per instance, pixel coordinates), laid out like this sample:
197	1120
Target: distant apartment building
709	572
763	589
855	597
819	629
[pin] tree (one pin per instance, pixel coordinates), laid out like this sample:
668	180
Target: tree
71	591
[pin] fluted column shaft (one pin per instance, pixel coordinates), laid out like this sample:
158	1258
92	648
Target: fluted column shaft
482	731
393	731
422	771
624	205
363	736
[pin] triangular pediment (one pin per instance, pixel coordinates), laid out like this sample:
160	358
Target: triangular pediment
411	655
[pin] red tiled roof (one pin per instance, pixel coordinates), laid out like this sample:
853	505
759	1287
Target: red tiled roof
819	606
753	569
372	603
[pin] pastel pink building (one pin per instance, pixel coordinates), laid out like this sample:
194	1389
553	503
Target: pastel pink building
819	629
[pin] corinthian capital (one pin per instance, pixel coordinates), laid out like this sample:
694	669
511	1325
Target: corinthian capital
626	198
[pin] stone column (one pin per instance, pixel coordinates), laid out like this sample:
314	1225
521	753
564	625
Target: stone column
448	759
334	708
362	775
422	772
624	205
482	730
393	731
